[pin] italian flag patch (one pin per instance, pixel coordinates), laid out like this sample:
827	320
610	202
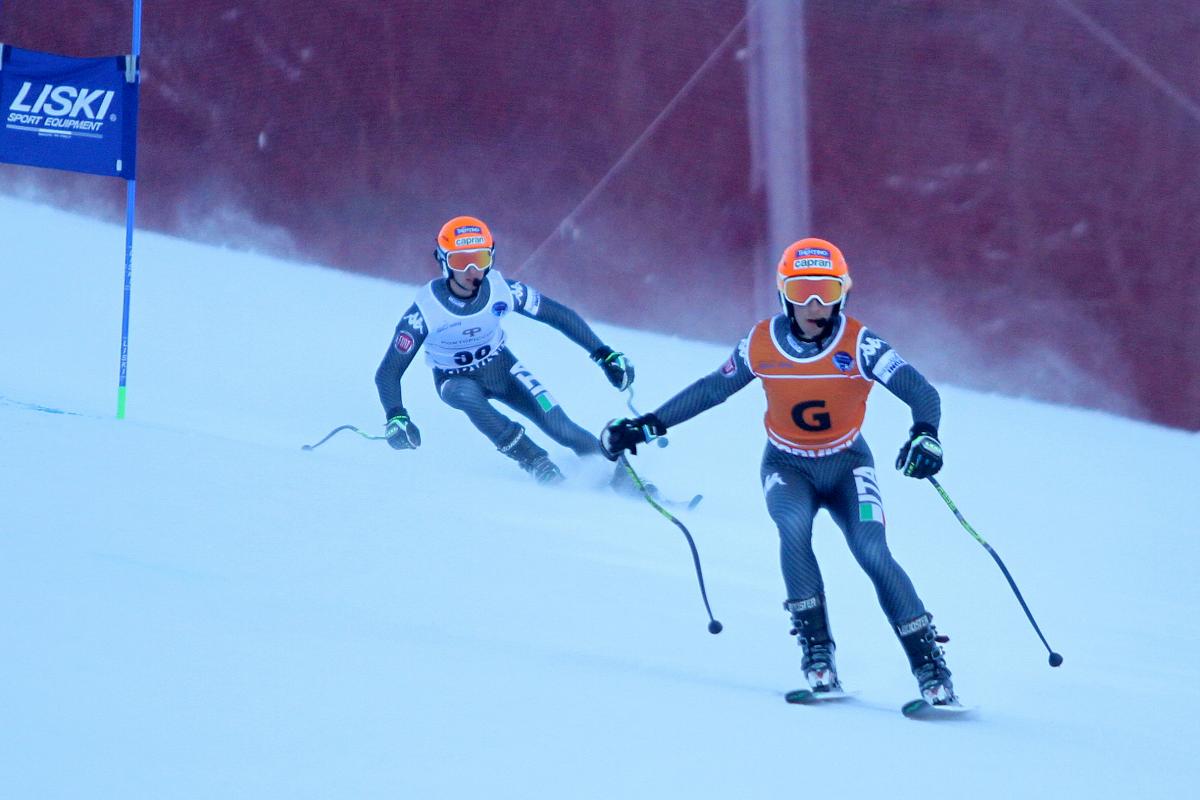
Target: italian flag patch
870	512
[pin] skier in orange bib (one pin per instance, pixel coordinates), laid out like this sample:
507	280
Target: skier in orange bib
817	366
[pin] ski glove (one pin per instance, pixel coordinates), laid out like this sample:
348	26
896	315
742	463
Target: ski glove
921	455
626	434
617	368
401	433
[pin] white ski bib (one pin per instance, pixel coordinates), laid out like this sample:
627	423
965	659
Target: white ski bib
458	341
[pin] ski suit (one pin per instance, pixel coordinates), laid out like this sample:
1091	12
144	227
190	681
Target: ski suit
815	456
465	345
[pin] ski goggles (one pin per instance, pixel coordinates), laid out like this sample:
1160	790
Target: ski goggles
463	260
825	290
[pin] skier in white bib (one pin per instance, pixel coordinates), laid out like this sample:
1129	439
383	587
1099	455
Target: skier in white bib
457	318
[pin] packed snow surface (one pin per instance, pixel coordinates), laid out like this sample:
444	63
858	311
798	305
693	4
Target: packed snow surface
194	607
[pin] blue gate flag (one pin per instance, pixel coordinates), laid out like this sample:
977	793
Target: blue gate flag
76	114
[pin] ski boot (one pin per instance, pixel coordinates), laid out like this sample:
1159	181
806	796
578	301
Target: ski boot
810	626
920	641
532	459
544	471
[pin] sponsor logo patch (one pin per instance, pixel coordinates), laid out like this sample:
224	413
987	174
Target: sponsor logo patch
500	309
415	321
463	241
728	368
533	302
459	231
763	366
870	501
404	343
743	351
870	346
886	367
540	394
771	482
843	360
802	605
813	263
814	251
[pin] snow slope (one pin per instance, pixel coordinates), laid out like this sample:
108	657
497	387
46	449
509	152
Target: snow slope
195	608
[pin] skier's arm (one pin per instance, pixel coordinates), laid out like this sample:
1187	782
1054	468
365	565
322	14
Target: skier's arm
711	390
921	456
532	303
882	364
410	334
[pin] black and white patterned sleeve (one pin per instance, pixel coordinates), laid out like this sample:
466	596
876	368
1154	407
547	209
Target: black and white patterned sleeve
711	390
410	334
529	302
882	364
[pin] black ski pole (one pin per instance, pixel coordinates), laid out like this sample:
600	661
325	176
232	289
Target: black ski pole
661	440
336	431
714	626
1055	658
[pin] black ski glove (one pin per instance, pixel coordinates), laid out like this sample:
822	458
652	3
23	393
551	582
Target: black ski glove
617	368
626	434
921	455
401	433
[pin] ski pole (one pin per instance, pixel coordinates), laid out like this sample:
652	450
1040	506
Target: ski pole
1055	658
662	440
336	431
714	626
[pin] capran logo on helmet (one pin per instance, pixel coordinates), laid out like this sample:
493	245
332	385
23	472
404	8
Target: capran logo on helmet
63	101
813	263
467	229
465	240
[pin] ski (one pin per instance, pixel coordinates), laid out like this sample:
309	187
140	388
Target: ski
919	709
804	697
688	505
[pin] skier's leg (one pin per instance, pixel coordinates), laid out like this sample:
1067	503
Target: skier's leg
791	502
467	394
856	505
524	393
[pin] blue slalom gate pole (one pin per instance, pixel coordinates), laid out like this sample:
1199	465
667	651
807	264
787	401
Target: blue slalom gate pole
130	205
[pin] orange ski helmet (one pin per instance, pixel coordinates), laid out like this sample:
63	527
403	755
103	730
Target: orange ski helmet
812	268
465	242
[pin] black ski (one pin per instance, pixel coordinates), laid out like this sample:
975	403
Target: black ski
919	709
806	697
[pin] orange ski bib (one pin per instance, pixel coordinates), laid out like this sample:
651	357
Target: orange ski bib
815	406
